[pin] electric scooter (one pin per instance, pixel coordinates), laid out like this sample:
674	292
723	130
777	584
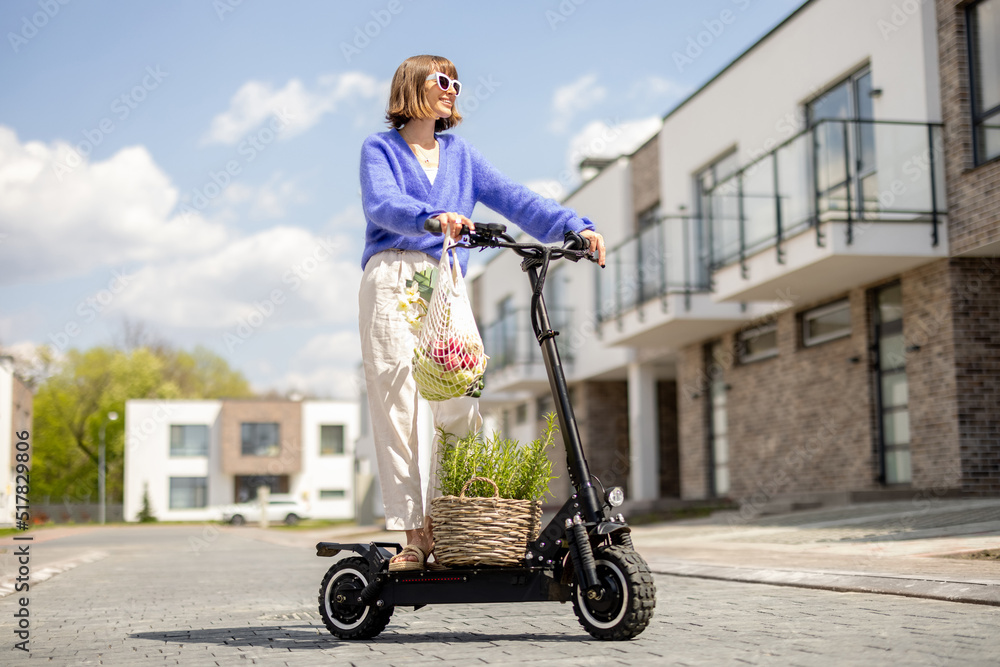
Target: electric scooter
584	554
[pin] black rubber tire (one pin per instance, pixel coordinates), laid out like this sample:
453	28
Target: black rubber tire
237	520
292	520
629	598
346	618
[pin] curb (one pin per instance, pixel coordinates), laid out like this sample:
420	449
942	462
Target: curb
966	591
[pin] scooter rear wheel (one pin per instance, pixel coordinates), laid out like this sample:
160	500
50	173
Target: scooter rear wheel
343	615
626	607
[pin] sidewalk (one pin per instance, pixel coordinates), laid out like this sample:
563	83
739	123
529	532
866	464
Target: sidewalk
899	548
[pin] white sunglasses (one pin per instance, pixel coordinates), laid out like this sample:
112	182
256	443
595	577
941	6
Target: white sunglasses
445	82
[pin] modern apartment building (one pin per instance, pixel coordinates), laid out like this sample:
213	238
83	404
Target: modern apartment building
16	410
802	297
195	457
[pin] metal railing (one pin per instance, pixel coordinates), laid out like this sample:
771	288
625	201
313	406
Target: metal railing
510	341
659	260
855	171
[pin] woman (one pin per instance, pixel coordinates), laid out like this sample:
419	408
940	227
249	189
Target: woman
410	174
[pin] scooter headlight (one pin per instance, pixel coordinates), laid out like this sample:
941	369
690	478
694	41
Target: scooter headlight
616	496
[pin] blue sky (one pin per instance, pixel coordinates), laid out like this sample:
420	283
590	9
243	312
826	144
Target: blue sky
192	166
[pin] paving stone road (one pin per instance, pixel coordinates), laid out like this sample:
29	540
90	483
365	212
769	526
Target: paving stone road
205	595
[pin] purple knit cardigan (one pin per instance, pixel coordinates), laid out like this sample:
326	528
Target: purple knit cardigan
397	196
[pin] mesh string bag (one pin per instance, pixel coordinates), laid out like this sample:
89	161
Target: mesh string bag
449	360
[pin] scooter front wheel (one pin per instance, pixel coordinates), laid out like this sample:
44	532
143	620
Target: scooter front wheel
343	614
626	605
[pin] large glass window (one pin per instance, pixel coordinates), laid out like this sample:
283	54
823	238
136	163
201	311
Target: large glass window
188	440
718	209
188	492
983	21
260	439
331	439
845	146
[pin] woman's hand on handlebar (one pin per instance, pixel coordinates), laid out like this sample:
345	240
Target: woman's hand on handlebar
454	224
596	244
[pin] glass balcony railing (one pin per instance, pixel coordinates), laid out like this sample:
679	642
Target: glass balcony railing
510	341
855	171
659	260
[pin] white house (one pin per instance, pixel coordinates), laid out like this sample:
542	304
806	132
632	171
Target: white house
194	457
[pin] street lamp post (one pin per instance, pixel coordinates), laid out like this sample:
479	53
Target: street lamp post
101	467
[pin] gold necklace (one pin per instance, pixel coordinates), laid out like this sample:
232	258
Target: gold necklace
421	153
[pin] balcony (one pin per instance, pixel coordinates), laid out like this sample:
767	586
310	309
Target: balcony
653	292
515	357
842	204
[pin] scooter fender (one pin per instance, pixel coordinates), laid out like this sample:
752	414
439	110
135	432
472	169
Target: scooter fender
375	553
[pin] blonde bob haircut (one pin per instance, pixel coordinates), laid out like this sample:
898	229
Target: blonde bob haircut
407	100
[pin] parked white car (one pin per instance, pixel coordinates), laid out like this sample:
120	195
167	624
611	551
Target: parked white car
281	508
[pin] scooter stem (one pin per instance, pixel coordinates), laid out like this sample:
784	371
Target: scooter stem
576	462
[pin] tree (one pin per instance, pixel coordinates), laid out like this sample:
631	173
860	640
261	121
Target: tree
73	402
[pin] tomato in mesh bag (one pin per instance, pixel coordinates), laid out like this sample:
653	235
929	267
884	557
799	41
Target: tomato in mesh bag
449	360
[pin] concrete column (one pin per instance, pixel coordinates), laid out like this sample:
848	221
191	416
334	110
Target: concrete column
644	443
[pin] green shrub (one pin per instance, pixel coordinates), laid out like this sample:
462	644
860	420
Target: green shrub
146	511
521	472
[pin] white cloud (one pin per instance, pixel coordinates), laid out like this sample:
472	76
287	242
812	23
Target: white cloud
64	216
279	277
573	98
269	200
600	139
256	101
327	365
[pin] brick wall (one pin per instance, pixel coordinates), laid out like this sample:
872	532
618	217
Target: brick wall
667	427
799	422
805	422
927	324
645	170
975	291
692	387
288	414
973	192
602	415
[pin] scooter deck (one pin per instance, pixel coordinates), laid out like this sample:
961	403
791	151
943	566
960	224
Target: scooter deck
463	585
472	585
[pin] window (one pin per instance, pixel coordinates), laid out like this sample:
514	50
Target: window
259	439
845	172
188	492
245	488
521	413
188	440
983	21
332	494
758	343
649	257
827	323
331	439
718	208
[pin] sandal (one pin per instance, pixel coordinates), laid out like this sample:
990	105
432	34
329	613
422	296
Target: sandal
408	565
435	566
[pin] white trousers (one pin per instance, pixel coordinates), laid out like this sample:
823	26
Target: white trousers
387	350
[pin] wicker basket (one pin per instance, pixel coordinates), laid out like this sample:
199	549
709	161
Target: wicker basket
483	531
